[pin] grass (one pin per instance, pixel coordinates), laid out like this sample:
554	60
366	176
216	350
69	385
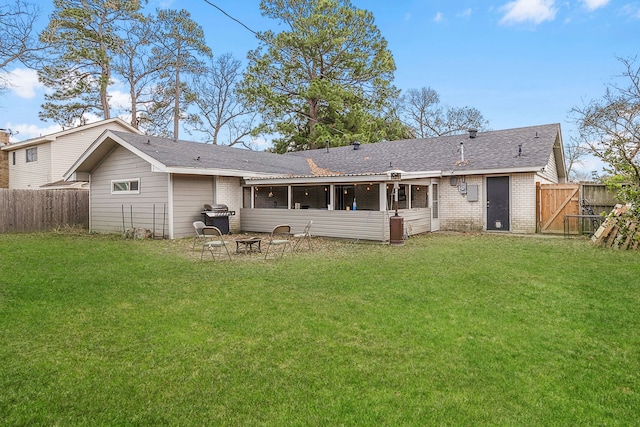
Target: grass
445	330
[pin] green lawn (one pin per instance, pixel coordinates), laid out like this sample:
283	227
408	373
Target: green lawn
445	330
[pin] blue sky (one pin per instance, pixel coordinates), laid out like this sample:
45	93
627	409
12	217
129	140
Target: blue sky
521	63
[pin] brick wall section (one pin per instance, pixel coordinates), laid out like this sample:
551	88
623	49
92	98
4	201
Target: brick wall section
229	192
523	203
456	212
4	161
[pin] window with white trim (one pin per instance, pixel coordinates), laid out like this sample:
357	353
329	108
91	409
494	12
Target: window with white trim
125	186
32	154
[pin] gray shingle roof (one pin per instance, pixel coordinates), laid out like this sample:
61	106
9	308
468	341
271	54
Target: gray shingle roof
487	151
189	154
521	148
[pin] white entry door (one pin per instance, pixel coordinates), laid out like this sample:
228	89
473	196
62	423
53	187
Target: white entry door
434	195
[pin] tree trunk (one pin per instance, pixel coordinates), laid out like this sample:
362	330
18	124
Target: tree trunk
176	107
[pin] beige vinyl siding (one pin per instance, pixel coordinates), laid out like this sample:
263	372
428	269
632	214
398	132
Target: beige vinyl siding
66	149
362	225
106	214
190	193
416	221
550	173
30	175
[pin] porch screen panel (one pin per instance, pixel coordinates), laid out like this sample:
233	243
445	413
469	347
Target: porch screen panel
246	197
419	196
367	196
310	197
403	193
271	197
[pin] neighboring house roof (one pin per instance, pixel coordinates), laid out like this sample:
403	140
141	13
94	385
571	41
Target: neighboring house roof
525	149
53	136
62	185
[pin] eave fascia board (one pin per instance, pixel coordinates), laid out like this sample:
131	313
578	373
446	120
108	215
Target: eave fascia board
491	171
336	179
307	179
209	171
107	134
28	143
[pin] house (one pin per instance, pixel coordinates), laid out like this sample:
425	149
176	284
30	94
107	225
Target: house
41	162
482	181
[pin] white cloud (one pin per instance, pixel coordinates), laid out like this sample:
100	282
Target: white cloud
119	99
260	144
631	10
439	17
535	11
22	132
22	82
595	4
465	13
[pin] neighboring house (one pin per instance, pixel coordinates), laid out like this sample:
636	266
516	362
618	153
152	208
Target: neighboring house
476	182
42	162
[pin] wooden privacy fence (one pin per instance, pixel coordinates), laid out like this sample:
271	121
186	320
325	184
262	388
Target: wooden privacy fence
42	210
572	208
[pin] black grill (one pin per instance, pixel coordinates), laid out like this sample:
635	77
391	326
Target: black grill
217	216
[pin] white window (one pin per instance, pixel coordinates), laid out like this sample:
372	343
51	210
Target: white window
32	154
125	186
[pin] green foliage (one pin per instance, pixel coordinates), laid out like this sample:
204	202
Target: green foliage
327	77
84	35
446	330
179	46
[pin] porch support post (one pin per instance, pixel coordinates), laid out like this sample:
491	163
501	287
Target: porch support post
331	196
383	196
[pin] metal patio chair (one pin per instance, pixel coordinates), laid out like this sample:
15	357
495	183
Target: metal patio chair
280	236
198	226
214	242
304	236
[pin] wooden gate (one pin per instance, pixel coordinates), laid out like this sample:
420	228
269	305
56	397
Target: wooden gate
554	202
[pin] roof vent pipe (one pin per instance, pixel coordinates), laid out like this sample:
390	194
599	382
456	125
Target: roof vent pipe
356	145
462	151
472	133
326	143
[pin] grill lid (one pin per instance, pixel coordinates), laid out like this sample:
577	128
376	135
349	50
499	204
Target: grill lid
216	208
